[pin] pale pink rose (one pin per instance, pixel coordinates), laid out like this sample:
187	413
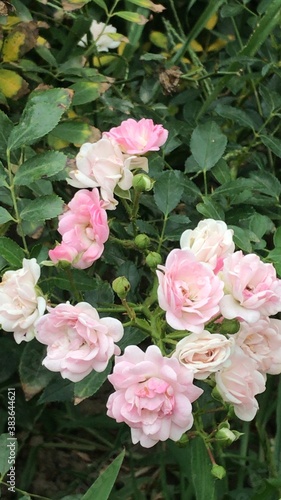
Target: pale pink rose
262	342
153	395
251	288
78	340
238	382
84	230
203	353
21	302
211	241
99	34
188	291
138	137
102	164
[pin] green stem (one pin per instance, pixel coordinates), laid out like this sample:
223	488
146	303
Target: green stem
14	200
161	239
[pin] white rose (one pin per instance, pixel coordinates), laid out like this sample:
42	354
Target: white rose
261	341
99	33
203	353
20	303
211	241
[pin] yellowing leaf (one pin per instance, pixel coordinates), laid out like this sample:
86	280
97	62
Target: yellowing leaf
197	47
70	5
147	4
12	84
220	43
12	46
56	143
20	40
211	23
102	60
159	39
132	17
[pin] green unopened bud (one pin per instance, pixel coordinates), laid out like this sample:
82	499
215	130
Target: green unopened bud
224	425
225	436
121	287
142	241
218	471
153	259
229	326
142	182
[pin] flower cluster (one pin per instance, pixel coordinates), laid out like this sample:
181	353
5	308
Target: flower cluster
202	284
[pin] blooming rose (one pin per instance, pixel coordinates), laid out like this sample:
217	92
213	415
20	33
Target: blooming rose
211	241
252	289
138	137
102	164
84	230
153	395
103	41
203	353
238	382
262	342
21	303
78	340
188	291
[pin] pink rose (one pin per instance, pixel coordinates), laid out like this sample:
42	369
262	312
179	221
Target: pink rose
238	382
211	241
188	291
261	341
78	340
203	353
102	164
138	137
252	289
153	395
84	230
21	302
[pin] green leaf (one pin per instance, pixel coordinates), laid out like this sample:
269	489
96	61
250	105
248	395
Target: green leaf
70	280
207	144
85	92
33	375
236	115
277	237
9	357
221	172
40	166
90	384
101	3
272	143
102	487
43	208
243	238
201	477
40	115
5	216
168	190
11	251
210	209
7	444
59	389
76	132
6	127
